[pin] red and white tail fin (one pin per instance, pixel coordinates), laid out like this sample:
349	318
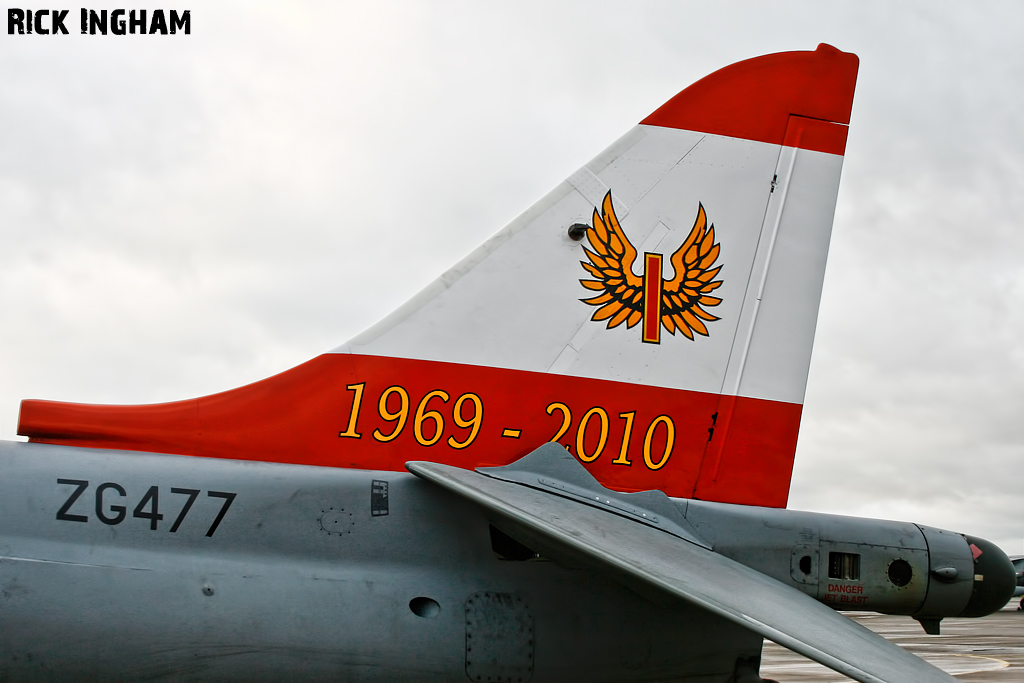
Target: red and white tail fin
655	313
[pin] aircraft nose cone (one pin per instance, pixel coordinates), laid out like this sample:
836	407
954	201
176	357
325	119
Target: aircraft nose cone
994	578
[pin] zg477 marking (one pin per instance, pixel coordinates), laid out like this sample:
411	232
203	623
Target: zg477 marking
148	507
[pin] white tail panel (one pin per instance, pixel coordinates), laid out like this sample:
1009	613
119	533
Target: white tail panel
517	305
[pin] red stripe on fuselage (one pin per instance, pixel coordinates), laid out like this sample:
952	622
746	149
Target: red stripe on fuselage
297	416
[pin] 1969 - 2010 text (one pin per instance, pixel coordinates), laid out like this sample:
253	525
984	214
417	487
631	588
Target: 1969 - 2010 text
431	414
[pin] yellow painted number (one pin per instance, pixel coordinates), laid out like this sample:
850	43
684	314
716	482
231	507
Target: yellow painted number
422	415
670	438
627	433
581	434
401	416
473	424
353	415
566	418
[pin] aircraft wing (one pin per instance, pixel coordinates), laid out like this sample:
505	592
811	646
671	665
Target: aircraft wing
640	555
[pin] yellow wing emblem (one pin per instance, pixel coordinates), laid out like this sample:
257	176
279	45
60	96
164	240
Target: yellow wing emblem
625	297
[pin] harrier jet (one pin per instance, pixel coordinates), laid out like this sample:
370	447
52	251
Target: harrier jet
567	458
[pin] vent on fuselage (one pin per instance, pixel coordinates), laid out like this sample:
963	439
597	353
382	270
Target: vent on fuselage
508	548
844	566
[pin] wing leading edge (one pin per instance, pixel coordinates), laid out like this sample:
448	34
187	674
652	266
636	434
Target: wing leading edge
646	557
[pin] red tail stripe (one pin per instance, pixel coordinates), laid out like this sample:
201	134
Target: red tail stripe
297	416
753	99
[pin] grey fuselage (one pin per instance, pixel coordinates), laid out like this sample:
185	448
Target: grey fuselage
133	566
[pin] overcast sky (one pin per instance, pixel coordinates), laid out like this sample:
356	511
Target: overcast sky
180	215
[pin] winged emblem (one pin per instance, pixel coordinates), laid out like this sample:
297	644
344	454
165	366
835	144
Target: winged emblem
627	298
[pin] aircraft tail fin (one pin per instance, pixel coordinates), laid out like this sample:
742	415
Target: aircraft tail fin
654	313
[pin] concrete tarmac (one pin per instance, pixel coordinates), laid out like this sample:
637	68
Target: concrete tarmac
987	650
